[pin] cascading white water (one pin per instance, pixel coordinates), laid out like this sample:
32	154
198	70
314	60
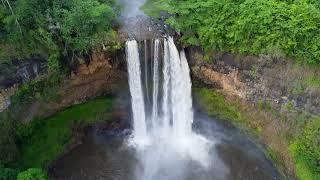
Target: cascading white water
155	84
187	94
180	95
166	83
146	69
169	135
137	100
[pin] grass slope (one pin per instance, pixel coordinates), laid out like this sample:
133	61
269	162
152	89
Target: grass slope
44	139
216	105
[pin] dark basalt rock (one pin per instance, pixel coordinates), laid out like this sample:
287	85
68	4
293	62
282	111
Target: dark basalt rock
19	71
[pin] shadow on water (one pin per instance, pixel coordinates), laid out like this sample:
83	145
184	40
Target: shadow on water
105	155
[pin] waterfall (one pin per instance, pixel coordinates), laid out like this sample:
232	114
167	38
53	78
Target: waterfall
180	95
137	100
168	132
165	88
155	84
146	69
187	92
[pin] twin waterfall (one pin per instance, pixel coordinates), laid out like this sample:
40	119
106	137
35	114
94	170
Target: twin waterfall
162	133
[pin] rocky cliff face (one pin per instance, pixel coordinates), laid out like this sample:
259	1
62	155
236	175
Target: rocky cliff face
97	75
17	72
5	97
103	75
255	79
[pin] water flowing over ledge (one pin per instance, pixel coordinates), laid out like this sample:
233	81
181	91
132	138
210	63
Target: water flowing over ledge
163	136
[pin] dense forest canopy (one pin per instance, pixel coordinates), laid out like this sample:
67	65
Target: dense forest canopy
281	27
54	28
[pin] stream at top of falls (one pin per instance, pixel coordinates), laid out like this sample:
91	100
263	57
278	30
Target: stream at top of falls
169	140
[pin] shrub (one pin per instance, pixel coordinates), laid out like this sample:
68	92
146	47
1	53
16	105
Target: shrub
8	148
32	174
249	26
42	88
55	29
7	173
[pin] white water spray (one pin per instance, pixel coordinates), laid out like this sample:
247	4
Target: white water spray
171	141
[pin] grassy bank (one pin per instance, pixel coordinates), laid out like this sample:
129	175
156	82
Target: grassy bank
216	105
297	143
305	149
43	140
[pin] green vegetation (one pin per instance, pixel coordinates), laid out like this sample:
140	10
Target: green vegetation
7	173
32	174
216	105
306	151
58	30
313	81
151	8
37	143
300	79
42	88
42	140
8	147
247	26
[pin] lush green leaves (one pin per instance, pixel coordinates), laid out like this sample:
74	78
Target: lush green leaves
54	28
32	174
7	173
249	26
81	23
